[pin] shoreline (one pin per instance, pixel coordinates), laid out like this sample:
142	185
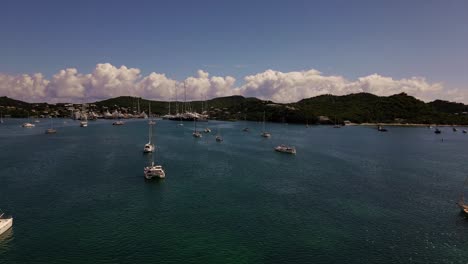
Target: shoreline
404	125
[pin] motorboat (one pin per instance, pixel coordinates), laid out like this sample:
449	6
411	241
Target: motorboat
28	125
51	131
118	123
381	128
286	149
207	130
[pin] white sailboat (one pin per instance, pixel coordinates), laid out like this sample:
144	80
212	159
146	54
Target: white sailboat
28	124
196	133
51	130
1	118
265	133
149	147
5	222
154	171
152	121
219	138
83	117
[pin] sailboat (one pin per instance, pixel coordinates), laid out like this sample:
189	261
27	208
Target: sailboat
5	222
265	133
118	122
153	171
246	129
28	124
196	133
83	117
380	128
219	138
51	130
149	147
1	118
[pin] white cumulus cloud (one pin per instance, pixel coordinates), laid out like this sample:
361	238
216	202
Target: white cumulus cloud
107	81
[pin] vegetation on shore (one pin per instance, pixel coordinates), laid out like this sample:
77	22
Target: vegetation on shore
325	109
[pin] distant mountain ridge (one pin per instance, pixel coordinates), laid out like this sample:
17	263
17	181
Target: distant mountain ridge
356	108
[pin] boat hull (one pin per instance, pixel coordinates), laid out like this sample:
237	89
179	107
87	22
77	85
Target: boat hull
5	224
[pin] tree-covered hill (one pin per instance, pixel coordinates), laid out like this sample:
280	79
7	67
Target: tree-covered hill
357	108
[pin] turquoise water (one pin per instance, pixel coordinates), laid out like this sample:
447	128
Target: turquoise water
350	195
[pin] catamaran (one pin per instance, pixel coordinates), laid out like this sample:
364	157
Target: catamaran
154	171
5	222
286	149
265	133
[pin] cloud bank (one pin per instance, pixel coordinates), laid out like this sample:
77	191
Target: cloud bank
107	81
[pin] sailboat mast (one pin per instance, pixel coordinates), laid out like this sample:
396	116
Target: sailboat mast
150	129
185	97
138	105
176	102
263	121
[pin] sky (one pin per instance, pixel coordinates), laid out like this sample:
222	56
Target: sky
284	51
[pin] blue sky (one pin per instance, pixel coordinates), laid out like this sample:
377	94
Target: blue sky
399	39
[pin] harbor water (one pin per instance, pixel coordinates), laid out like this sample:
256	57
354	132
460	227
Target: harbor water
350	195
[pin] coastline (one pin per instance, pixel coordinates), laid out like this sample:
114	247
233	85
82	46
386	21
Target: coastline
404	125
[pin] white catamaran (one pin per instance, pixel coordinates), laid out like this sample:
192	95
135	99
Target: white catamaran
154	171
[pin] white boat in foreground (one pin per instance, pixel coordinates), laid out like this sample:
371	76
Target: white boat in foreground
286	149
154	171
5	223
